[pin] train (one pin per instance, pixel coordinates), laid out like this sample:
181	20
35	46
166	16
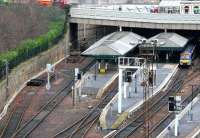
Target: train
187	55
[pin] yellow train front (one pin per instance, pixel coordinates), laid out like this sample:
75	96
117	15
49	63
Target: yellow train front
186	56
185	59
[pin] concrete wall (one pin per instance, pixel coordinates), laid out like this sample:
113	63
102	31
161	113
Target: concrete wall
26	70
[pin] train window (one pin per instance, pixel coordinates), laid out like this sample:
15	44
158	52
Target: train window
185	56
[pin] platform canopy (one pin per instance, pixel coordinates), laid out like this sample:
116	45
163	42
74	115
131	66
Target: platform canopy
170	42
114	45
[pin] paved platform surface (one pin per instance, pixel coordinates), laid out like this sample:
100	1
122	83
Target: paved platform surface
187	125
164	72
92	84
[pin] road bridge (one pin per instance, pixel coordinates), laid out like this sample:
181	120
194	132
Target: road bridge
113	17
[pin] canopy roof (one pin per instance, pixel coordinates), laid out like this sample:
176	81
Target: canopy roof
115	44
170	41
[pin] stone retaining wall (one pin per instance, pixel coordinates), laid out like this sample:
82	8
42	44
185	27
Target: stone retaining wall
25	71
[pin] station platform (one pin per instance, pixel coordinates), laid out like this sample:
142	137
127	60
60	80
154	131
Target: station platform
189	126
110	119
93	81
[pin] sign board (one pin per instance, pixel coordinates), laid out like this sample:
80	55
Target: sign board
49	68
174	103
76	70
178	103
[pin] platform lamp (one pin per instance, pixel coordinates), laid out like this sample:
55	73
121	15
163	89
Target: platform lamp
154	43
141	42
192	98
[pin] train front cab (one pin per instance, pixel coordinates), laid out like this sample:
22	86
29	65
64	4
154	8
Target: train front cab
185	60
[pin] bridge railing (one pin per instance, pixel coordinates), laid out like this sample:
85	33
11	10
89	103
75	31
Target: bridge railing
109	14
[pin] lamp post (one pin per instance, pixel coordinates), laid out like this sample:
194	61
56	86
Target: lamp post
154	44
191	114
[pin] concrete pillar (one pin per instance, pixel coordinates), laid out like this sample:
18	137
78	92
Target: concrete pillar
120	90
106	66
125	89
99	66
154	77
181	10
129	91
80	91
176	126
136	83
120	28
191	9
167	56
75	95
84	31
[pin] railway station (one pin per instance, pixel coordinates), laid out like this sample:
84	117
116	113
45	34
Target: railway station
134	96
121	69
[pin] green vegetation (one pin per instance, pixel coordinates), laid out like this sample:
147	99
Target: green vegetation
31	47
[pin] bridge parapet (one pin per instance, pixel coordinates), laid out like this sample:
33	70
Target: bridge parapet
132	16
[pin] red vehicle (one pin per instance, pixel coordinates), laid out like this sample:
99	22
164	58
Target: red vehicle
60	3
45	2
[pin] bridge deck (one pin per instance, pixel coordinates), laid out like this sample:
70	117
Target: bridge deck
105	16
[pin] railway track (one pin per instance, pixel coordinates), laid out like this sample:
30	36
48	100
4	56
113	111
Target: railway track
163	123
46	109
15	119
156	103
81	127
161	119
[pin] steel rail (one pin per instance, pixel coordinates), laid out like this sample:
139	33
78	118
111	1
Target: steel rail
170	116
15	119
86	120
139	120
90	126
162	105
46	109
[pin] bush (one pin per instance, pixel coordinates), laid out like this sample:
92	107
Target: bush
31	47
